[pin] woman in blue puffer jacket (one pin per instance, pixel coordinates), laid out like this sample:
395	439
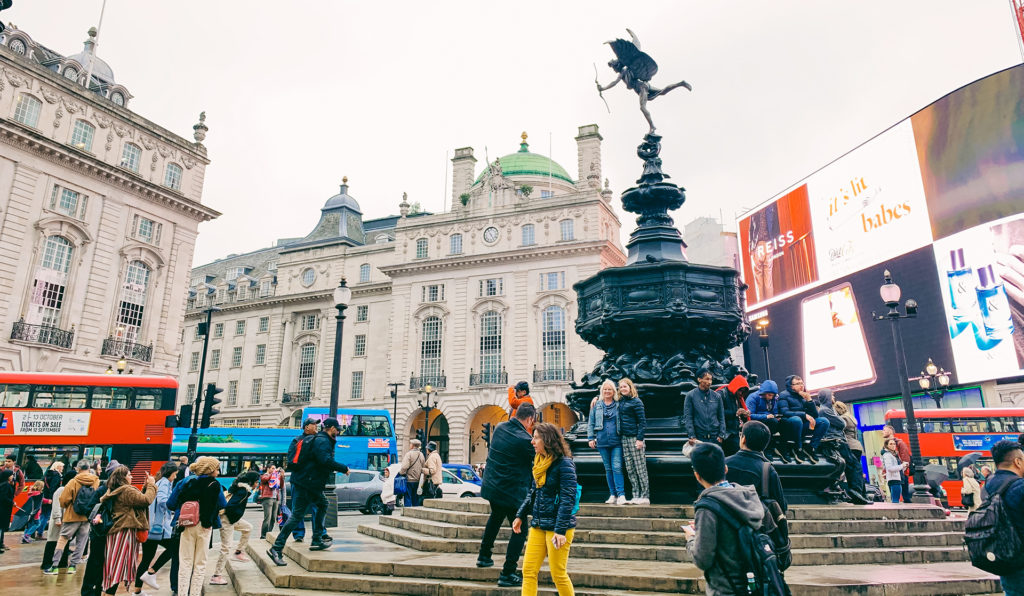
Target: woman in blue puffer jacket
552	503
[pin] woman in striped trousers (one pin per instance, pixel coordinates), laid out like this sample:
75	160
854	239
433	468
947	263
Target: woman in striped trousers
129	508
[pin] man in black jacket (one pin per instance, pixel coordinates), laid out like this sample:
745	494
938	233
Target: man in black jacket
796	404
746	466
508	479
314	470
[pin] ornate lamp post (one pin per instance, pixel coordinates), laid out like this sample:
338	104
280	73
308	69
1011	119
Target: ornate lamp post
428	389
342	295
934	381
890	293
122	364
762	334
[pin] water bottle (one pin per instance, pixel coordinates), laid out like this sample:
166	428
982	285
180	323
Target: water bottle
751	583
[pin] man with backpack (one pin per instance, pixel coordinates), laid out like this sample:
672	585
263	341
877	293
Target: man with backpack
77	501
749	466
727	539
316	465
309	430
998	524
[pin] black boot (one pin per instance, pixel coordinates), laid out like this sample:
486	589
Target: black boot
809	454
796	455
780	454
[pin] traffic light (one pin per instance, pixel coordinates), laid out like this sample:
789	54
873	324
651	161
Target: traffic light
209	403
185	416
419	435
487	434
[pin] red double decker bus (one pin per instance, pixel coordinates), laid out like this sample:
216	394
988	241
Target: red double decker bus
948	435
70	417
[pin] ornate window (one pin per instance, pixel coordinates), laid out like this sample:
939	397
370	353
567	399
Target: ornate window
172	176
309	322
308	276
133	301
364	273
528	235
553	338
50	283
307	362
566	226
554	280
69	202
146	230
432	293
28	109
455	244
494	286
357	384
430	347
131	157
490	343
421	248
82	135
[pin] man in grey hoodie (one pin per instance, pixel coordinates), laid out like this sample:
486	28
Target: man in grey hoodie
713	543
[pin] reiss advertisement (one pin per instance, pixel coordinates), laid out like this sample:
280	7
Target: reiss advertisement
869	205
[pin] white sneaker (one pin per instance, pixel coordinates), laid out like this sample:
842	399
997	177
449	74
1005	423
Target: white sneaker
611	500
150	580
621	500
643	501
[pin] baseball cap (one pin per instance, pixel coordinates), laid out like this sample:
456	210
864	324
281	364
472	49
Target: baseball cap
310	421
331	423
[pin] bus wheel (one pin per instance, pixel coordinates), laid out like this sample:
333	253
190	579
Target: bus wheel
375	505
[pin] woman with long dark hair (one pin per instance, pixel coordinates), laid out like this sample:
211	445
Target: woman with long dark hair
160	531
552	503
633	425
129	509
894	468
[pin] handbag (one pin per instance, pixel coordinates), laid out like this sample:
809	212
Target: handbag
967	499
142	535
401	485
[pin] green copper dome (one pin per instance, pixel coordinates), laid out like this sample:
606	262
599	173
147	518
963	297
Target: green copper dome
524	163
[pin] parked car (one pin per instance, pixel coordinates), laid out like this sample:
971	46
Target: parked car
465	472
451	485
360	490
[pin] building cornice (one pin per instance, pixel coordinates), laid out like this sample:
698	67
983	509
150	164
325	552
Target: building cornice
520	209
358	291
603	247
67	156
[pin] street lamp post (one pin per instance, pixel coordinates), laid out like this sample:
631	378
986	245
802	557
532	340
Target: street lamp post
394	397
890	293
762	334
934	381
426	421
342	295
121	365
193	438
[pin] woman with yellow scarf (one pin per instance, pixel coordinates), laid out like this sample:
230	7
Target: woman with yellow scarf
551	501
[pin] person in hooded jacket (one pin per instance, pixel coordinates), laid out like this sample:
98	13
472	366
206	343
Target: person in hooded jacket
231	520
34	507
74	525
129	508
632	426
763	406
713	543
797	405
550	502
734	395
517	396
836	438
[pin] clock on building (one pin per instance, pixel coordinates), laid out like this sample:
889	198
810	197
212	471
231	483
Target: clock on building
491	235
17	46
71	73
117	98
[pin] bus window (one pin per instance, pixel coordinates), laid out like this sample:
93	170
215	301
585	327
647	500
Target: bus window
969	425
1003	424
111	398
935	425
897	425
47	454
146	399
96	455
50	396
13	396
377	461
1018	425
372	426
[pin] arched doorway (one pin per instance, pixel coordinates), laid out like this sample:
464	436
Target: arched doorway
475	431
438	430
558	414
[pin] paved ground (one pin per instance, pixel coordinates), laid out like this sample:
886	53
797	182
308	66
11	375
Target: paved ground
20	574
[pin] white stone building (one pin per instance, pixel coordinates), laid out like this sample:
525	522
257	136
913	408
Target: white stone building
467	301
99	212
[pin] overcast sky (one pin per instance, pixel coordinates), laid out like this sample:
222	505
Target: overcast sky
299	94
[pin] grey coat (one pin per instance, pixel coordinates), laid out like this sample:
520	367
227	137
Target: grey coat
704	414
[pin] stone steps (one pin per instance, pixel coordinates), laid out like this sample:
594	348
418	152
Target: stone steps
450	531
822	550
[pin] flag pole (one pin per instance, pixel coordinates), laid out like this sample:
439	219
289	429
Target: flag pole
95	45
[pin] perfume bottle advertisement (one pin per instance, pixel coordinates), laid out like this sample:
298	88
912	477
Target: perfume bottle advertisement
836	352
981	273
869	205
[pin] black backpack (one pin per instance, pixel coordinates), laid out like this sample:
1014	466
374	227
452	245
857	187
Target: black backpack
299	452
105	511
84	500
778	530
757	550
993	542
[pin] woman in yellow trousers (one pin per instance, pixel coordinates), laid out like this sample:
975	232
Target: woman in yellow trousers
552	501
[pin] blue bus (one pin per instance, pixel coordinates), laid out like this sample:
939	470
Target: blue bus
366	442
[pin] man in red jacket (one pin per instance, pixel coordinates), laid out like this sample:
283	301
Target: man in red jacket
734	396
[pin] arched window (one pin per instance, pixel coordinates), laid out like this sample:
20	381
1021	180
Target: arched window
50	283
364	273
455	244
307	364
172	176
28	109
553	342
421	248
430	351
82	135
490	347
528	235
131	157
133	301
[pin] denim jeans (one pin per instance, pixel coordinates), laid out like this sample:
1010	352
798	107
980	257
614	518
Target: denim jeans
612	458
820	428
1013	585
895	490
302	501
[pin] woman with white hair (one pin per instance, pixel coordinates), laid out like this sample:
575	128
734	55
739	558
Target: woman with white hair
603	434
970	492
